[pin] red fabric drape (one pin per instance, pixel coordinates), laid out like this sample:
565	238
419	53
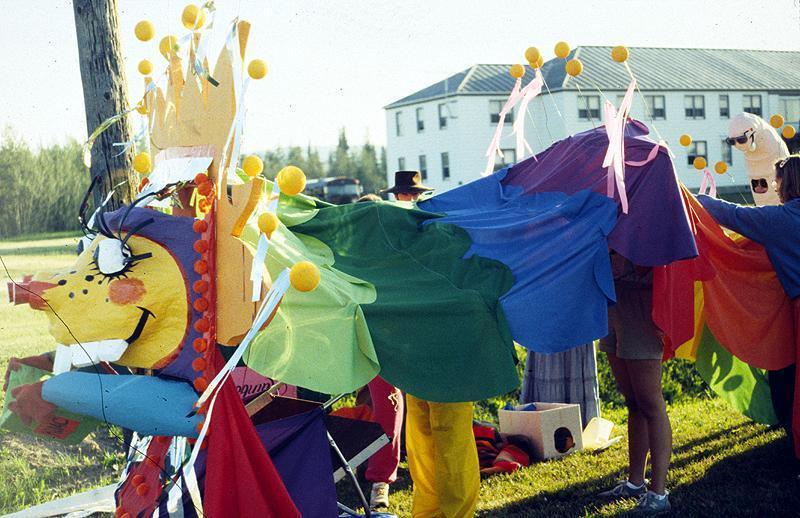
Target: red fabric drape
240	477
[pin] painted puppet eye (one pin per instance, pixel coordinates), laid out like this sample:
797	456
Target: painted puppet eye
112	257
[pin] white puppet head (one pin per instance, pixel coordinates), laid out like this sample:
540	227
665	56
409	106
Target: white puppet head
762	147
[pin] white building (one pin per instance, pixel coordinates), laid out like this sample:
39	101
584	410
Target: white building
443	130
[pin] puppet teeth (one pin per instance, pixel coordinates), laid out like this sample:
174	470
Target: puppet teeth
92	353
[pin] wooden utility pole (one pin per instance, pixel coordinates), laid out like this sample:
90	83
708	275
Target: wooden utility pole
104	94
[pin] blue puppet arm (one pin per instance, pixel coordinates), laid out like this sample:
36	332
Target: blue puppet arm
146	404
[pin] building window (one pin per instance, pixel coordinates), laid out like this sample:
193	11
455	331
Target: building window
398	124
445	166
727	156
588	107
695	106
495	107
423	167
656	106
420	122
509	157
442	116
696	149
790	109
752	104
724	106
401	164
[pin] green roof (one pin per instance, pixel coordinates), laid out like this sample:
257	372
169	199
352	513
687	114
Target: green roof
656	69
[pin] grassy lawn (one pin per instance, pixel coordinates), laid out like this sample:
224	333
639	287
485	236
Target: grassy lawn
723	464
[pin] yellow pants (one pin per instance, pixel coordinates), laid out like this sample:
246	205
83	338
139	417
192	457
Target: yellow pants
442	458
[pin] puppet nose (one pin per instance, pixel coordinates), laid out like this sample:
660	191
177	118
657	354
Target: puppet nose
28	292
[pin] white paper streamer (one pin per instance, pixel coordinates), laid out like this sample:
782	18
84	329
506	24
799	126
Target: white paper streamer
174	170
257	273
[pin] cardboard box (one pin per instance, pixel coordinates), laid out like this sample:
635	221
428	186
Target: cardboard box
555	429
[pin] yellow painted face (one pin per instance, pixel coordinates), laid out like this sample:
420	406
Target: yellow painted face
146	302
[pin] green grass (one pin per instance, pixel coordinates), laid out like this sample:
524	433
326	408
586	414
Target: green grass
723	464
33	471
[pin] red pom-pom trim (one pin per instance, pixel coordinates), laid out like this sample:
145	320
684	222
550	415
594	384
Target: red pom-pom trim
202	325
200	345
201	267
200	226
200	246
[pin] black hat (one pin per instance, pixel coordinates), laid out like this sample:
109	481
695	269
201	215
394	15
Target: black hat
408	182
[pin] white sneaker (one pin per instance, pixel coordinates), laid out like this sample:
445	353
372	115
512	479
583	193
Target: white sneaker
379	497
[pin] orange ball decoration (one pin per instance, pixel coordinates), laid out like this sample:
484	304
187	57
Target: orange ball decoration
200	286
200	178
199	364
200	305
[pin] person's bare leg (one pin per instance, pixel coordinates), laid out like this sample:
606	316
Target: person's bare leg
638	432
645	377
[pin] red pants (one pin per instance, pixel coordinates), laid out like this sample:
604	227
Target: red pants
387	410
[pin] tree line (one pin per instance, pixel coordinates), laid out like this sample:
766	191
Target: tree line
41	189
367	163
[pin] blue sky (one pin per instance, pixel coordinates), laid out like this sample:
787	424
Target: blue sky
336	63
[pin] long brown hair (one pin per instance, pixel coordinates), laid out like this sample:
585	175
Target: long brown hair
788	171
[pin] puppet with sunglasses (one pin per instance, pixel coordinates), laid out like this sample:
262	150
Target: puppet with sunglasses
762	147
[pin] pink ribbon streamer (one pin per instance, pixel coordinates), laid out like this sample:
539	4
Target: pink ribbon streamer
494	145
533	89
708	183
650	157
614	160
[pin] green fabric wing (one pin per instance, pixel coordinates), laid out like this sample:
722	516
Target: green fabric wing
318	340
743	387
437	325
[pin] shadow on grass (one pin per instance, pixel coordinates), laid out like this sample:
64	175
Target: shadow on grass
760	481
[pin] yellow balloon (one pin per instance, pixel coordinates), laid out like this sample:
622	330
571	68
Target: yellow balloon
699	163
257	69
562	49
168	45
788	132
574	67
268	223
517	71
685	140
304	276
532	54
141	163
776	121
145	67
291	180
252	165
720	167
193	17
144	30
540	63
619	54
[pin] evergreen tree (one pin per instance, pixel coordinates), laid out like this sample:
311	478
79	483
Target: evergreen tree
340	162
314	167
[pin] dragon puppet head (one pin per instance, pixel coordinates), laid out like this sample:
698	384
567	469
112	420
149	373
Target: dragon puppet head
143	291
